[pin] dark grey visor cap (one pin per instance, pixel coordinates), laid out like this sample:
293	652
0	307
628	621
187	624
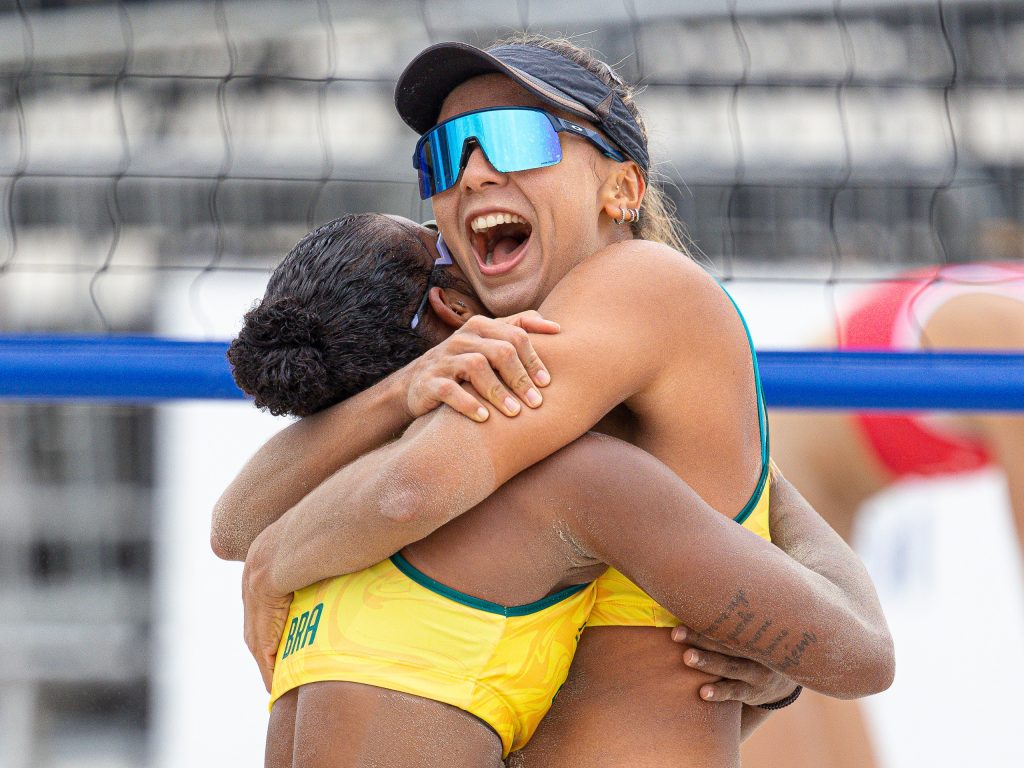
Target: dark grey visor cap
556	80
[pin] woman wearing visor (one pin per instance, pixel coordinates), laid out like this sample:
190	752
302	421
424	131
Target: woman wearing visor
642	328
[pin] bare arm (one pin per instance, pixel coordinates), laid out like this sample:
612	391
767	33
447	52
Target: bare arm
299	458
793	523
304	454
804	535
982	321
447	464
799	531
812	615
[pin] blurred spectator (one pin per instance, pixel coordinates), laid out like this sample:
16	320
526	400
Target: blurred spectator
840	459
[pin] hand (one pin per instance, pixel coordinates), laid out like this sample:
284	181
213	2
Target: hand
480	352
741	679
265	613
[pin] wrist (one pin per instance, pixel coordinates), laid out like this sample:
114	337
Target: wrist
781	703
260	562
397	400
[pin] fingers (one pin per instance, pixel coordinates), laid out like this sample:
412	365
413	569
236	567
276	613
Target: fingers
267	670
496	357
741	679
506	360
479	373
264	660
523	371
449	392
475	368
695	639
533	322
264	617
731	667
726	690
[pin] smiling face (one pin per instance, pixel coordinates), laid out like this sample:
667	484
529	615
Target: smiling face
515	235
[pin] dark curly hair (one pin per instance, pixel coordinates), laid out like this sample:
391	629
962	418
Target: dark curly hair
335	316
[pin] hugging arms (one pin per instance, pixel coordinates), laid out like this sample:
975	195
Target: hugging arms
620	502
651	350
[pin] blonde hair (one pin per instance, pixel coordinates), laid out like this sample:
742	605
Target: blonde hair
658	221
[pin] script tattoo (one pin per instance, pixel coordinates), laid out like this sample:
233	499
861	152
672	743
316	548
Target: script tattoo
762	641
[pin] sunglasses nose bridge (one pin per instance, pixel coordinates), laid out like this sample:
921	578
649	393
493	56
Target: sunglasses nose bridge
469	146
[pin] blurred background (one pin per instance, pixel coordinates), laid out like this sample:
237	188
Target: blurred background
158	158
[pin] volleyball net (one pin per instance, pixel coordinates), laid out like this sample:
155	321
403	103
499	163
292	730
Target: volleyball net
158	159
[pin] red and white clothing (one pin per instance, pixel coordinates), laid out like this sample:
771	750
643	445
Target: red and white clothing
892	316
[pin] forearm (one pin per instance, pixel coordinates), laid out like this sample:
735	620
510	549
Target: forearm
718	578
373	507
299	458
803	535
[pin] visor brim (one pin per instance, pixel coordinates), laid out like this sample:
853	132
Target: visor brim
438	70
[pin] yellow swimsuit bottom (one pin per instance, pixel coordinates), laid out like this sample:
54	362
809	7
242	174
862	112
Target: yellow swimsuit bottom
392	626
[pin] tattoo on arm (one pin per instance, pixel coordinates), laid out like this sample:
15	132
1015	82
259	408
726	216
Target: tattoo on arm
763	642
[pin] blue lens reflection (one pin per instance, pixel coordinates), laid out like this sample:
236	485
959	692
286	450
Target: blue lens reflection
512	139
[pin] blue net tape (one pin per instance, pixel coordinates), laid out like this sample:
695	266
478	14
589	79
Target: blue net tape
146	369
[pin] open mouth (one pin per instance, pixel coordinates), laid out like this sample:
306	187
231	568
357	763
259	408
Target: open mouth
499	241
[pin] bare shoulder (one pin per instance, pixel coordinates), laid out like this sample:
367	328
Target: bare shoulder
669	328
675	333
648	281
641	261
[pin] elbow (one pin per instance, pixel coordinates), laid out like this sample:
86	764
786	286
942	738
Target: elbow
862	664
222	548
880	658
225	545
424	504
884	665
872	671
404	504
401	506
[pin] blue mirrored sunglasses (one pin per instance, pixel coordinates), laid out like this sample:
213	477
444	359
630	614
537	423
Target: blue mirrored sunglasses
444	258
512	139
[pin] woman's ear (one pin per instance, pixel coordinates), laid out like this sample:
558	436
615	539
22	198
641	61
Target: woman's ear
623	189
448	307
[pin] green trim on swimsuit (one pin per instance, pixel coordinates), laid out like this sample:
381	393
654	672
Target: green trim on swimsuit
762	421
475	602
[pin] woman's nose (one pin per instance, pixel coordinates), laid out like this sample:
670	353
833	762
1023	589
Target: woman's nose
477	172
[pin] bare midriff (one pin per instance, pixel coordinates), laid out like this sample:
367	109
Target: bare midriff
631	701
